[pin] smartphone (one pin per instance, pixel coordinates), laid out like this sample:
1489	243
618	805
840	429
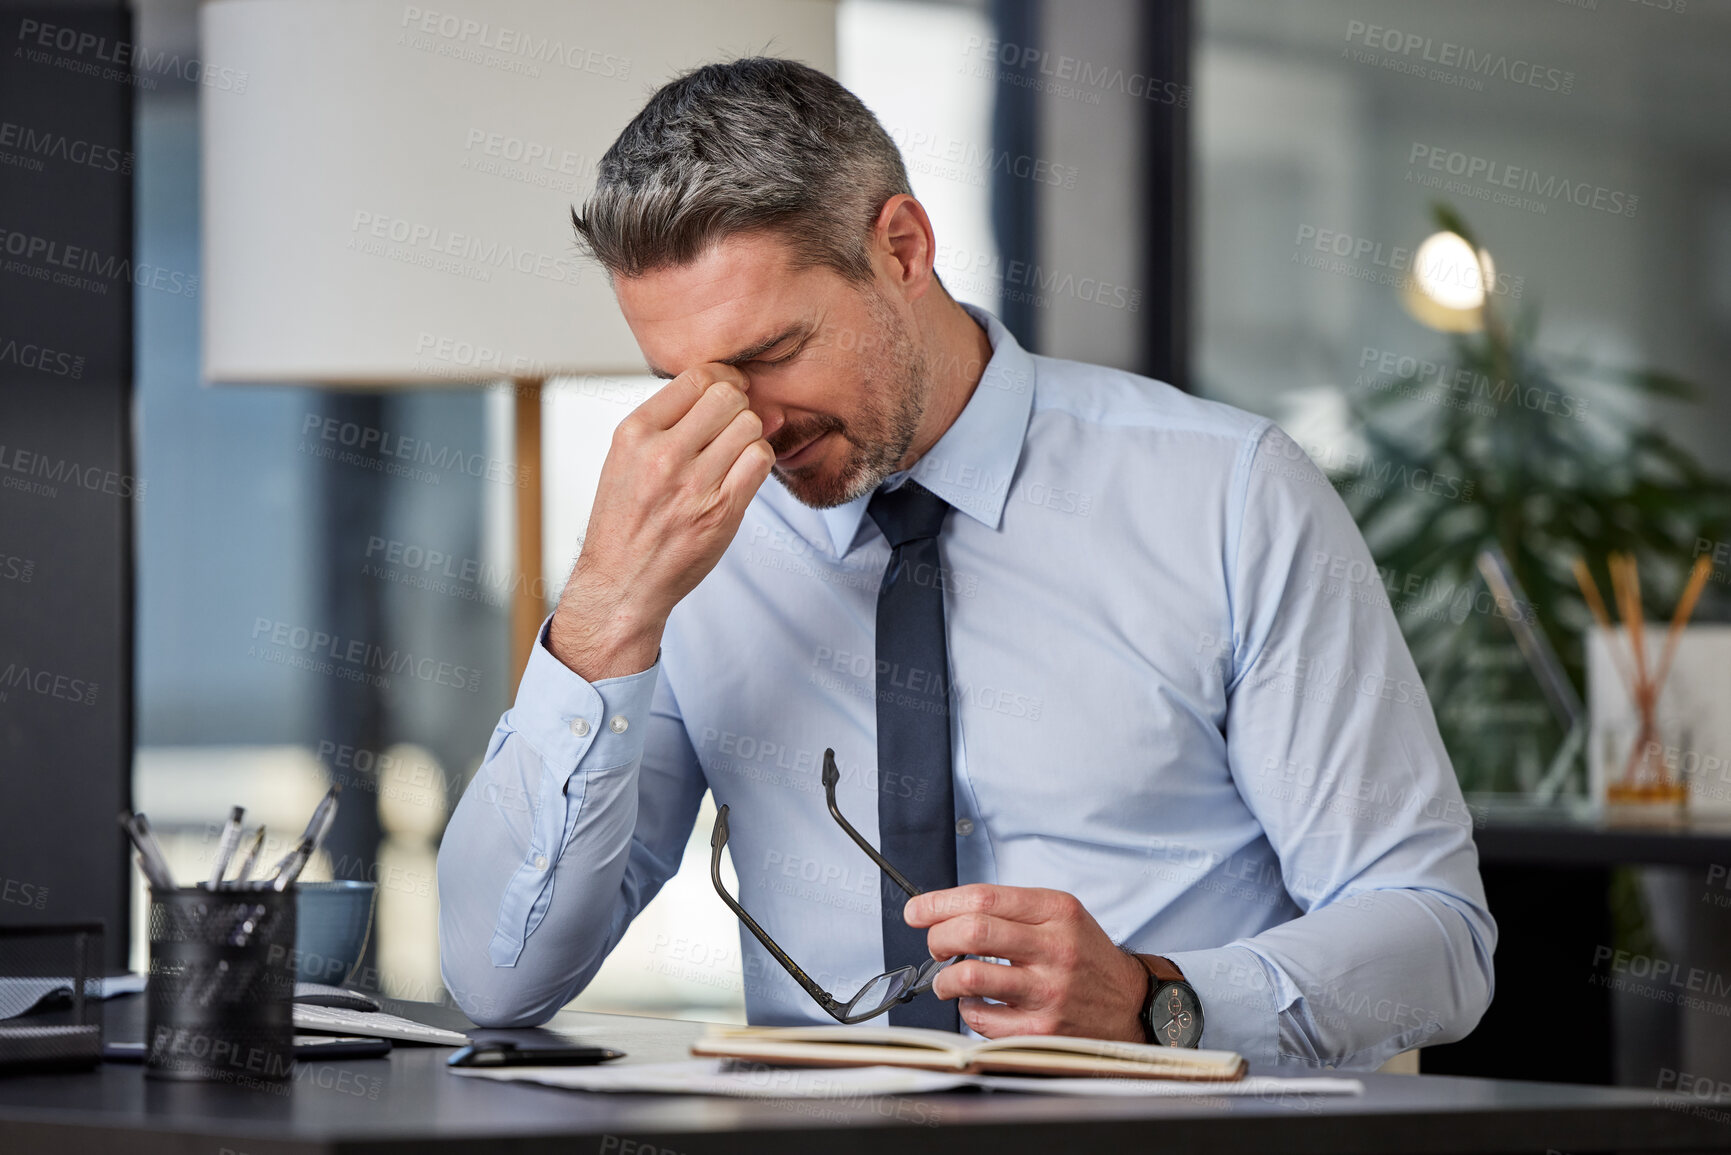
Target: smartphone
503	1054
305	1047
340	1047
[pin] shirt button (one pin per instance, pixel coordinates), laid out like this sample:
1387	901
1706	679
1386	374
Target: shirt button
618	724
540	862
964	826
580	727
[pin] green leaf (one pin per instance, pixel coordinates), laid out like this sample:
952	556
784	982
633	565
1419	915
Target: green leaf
1660	383
1447	218
1548	489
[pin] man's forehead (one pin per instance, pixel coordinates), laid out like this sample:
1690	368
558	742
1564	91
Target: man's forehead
741	297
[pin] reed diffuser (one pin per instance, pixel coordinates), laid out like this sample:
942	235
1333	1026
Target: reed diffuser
1646	779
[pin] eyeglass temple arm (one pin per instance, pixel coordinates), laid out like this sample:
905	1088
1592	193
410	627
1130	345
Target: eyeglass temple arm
831	776
717	840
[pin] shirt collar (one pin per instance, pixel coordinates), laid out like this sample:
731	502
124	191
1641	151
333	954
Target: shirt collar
971	465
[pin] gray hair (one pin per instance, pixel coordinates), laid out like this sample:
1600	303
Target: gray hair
754	145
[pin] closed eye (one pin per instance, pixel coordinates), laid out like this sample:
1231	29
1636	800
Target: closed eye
781	360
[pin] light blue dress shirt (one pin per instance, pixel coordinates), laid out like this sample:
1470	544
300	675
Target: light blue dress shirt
1177	691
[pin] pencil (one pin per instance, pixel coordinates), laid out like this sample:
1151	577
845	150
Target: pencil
1595	603
1627	597
1685	608
1638	621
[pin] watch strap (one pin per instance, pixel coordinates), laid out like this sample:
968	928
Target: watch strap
1161	970
1147	996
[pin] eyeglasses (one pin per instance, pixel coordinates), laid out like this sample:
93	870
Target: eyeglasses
889	989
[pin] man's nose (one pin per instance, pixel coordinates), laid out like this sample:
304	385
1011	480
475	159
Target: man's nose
771	414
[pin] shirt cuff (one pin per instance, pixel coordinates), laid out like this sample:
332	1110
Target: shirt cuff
1240	1002
568	720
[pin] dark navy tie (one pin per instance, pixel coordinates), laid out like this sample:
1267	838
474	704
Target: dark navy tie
916	801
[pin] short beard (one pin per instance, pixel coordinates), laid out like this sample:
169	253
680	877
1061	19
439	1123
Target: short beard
884	429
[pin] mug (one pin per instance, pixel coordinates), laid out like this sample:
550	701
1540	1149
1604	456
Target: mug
332	925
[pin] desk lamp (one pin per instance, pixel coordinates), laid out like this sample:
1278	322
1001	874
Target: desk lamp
387	192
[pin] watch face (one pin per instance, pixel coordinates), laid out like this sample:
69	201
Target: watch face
1175	1016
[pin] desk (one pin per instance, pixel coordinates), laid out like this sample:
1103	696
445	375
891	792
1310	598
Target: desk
1573	834
1547	872
409	1102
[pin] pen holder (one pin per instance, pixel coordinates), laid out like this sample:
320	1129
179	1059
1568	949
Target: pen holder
50	997
220	995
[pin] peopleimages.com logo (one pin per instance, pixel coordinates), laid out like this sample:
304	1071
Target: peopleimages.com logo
59	263
420	243
1442	382
42	474
28	355
1071	77
370	446
45	144
483	42
1446	61
352	659
1518	186
1378	262
119	60
27	679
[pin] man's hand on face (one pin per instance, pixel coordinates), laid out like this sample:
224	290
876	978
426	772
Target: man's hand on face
1065	976
681	470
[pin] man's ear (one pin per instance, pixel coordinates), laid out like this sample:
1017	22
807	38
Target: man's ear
902	246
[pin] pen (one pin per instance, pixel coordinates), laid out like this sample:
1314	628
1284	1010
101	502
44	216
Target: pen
150	857
154	848
317	827
290	867
250	858
328	819
144	866
321	815
281	865
225	848
288	861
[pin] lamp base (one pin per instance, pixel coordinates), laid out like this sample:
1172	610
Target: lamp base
528	603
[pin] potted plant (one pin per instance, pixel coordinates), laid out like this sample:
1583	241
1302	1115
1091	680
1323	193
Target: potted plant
1555	461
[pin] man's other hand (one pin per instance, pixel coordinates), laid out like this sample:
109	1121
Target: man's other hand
1065	977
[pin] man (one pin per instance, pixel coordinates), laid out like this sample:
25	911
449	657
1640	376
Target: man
1105	667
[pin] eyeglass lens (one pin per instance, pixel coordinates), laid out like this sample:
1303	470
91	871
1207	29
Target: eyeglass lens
887	989
882	992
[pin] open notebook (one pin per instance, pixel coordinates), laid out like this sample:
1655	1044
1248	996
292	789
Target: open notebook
942	1051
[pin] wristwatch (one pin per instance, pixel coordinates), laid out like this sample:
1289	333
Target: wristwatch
1171	1013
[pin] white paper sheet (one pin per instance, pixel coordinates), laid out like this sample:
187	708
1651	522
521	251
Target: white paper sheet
709	1077
706	1077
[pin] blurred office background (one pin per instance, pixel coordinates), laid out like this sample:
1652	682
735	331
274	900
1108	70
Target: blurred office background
1158	186
259	518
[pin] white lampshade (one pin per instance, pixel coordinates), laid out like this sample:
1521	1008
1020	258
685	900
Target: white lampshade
387	186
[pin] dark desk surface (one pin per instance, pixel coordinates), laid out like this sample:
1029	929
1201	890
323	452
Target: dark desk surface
1576	835
410	1102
